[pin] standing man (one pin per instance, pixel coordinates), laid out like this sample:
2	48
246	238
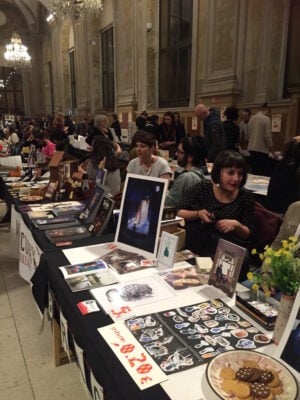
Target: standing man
191	156
260	141
244	134
214	136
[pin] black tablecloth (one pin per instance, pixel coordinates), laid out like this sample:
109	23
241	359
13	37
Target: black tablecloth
98	356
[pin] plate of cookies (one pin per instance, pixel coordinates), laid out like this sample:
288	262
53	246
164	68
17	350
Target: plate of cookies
245	374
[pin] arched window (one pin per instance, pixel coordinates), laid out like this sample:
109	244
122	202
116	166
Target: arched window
11	91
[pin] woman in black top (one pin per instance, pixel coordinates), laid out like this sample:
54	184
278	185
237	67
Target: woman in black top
220	208
284	186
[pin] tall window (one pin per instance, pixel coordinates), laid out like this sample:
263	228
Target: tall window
51	86
73	80
175	52
108	70
11	91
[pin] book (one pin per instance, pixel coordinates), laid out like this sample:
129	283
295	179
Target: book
97	226
84	276
67	234
51	222
88	215
62	209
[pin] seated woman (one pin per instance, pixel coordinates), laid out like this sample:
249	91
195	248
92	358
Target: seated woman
220	208
284	186
146	163
103	148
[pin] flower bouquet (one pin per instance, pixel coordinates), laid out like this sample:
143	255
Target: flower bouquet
280	271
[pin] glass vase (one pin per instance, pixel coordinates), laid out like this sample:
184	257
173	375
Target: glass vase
285	308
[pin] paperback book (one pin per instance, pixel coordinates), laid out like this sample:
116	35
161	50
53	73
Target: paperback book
88	275
50	222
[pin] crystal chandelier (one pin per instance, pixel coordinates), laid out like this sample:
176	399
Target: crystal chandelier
16	53
74	8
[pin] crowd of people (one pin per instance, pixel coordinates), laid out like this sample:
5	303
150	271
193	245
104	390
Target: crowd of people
213	208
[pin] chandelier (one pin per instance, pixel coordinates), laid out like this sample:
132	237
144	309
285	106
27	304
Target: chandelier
16	53
75	8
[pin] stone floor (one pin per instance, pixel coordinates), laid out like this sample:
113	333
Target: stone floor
26	359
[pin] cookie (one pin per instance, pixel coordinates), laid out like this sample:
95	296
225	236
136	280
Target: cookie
244	374
250	364
255	377
227	373
274	382
227	385
270	397
260	390
266	376
241	390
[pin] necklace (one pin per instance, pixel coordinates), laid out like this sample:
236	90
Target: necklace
144	169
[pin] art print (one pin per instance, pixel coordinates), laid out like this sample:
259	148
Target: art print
141	212
131	294
167	249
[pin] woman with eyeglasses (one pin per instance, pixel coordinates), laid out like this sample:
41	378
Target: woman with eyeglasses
220	208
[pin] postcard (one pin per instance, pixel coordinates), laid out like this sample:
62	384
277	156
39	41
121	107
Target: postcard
91	280
182	278
83	268
124	261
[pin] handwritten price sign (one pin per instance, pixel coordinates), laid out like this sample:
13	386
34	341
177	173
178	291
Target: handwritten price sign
143	370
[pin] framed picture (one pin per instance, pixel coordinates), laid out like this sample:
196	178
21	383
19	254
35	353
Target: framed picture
288	351
227	265
167	249
140	214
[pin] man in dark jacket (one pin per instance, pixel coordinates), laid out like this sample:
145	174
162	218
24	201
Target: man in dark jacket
214	136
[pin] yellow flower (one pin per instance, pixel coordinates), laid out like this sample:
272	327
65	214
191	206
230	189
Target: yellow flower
266	247
293	239
261	257
255	286
254	251
268	260
250	276
284	244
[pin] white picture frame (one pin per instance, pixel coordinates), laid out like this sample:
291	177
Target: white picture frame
142	235
167	250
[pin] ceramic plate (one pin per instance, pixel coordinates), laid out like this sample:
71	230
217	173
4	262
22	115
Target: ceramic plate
31	199
235	359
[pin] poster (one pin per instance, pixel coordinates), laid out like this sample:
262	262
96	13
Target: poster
276	123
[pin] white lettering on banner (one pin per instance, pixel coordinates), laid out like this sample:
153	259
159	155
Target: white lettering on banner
29	253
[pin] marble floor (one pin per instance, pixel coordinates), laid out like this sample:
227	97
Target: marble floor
26	359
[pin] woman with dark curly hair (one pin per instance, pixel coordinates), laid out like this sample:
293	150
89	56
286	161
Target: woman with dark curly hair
220	208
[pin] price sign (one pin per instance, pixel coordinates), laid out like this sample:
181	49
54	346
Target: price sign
143	370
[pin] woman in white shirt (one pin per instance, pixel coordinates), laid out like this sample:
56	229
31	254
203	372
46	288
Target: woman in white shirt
146	163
